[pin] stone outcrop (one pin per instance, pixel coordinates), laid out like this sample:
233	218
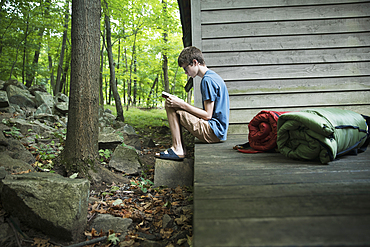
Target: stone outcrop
125	159
48	202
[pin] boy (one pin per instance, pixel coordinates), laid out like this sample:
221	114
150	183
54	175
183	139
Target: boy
209	124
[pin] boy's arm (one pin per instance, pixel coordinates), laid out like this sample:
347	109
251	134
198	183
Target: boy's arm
206	114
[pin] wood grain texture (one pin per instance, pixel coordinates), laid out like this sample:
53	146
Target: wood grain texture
237	4
279	28
286	13
270	200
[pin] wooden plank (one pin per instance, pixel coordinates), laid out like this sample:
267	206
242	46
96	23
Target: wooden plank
286	28
288	57
296	71
287	190
340	40
301	99
244	116
286	13
289	231
232	4
289	206
298	85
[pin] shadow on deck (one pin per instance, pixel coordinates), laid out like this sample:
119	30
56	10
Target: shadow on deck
267	199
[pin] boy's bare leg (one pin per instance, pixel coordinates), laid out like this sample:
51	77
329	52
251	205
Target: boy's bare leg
174	123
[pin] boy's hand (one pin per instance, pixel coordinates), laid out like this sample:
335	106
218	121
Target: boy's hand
174	101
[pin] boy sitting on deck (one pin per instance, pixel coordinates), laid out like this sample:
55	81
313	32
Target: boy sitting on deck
209	124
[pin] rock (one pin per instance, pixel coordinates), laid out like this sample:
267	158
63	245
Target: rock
100	175
24	126
3	139
132	140
128	129
16	150
37	88
43	109
125	159
173	173
4	102
61	98
166	219
109	140
148	142
106	222
20	96
44	98
2	85
13	165
48	202
16	83
62	107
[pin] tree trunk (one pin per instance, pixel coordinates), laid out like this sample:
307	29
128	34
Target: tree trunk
101	69
63	81
135	83
81	149
58	86
151	90
113	85
165	59
129	101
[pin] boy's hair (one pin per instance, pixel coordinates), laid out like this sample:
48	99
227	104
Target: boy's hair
190	53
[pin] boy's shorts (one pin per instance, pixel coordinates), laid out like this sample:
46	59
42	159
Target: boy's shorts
197	127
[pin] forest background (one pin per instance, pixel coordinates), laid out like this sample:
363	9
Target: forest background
140	43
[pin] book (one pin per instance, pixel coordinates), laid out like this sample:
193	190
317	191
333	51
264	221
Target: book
165	94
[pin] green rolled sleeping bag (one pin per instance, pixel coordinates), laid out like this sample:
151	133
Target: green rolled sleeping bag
320	134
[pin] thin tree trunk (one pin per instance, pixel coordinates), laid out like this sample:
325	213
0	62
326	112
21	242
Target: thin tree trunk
101	69
58	87
165	59
131	65
117	99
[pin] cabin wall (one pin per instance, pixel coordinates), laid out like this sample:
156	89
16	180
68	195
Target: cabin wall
285	55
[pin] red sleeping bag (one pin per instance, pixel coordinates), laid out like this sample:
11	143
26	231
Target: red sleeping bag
262	132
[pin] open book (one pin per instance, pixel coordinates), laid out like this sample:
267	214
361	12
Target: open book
165	94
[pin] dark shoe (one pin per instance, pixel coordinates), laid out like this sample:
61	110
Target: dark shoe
170	155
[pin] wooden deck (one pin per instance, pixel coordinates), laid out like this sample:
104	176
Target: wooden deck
267	199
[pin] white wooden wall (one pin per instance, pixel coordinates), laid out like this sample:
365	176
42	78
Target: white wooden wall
286	55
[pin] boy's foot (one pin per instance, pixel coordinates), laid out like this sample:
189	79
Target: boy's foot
169	155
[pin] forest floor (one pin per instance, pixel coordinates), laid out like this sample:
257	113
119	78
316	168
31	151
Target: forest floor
160	216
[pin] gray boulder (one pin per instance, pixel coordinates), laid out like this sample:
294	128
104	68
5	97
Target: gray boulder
125	159
13	165
16	83
4	102
61	98
37	88
43	109
106	222
44	98
17	151
24	126
48	202
109	140
61	107
21	97
2	84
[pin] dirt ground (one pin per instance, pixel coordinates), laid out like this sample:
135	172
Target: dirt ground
161	216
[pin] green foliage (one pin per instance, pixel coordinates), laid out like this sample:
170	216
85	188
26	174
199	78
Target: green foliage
113	239
138	28
143	184
105	155
15	132
46	152
143	118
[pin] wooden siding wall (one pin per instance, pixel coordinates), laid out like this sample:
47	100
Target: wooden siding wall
286	55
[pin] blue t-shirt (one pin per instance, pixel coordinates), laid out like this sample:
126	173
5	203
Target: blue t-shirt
214	88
